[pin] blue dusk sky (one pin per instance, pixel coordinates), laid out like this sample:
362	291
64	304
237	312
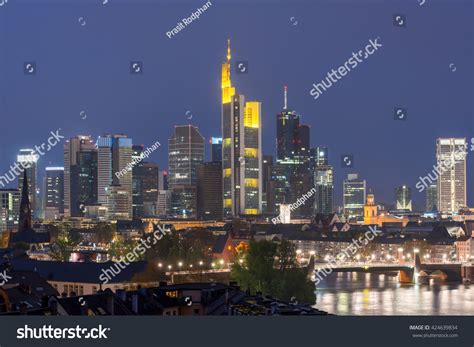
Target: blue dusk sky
83	48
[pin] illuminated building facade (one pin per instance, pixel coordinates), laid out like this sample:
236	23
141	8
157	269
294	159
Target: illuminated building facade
54	192
403	197
80	175
451	160
293	152
354	197
323	181
216	149
114	154
241	150
186	153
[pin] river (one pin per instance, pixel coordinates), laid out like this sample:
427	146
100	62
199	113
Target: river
353	293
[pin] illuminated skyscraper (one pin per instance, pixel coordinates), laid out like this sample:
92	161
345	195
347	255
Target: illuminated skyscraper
137	181
114	154
29	156
9	209
293	152
323	181
54	192
241	150
403	197
354	196
80	175
216	149
451	158
431	197
185	153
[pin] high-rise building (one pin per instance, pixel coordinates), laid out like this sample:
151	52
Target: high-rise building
267	163
31	158
216	149
150	173
9	209
137	181
80	175
278	187
163	181
54	192
117	202
163	208
403	198
209	191
186	152
183	201
323	181
354	195
451	160
114	154
432	197
293	152
241	149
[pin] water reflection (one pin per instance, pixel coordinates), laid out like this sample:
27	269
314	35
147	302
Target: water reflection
382	294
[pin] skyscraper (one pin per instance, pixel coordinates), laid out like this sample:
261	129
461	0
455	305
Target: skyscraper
54	192
403	198
354	196
185	153
114	153
216	149
431	197
241	149
9	209
80	175
29	156
451	160
293	152
209	191
323	181
150	175
267	163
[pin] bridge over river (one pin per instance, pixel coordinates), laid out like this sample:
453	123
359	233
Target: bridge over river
451	272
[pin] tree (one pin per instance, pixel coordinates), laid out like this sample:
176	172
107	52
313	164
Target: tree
105	232
63	246
272	269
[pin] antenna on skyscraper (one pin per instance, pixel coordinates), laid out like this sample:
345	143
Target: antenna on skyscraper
228	50
285	89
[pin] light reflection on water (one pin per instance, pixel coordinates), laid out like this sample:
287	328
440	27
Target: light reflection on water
381	294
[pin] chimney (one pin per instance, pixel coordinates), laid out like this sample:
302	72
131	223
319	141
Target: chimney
135	302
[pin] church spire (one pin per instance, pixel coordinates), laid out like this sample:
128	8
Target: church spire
24	221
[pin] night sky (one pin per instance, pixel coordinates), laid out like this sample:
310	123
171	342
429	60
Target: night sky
85	68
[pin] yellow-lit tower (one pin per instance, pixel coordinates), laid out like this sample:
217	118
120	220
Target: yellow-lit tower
370	210
241	149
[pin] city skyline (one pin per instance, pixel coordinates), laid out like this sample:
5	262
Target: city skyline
402	157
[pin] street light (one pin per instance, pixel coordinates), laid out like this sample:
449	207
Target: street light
160	265
200	263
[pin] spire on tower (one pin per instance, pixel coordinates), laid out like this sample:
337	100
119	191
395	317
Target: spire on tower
228	50
285	105
24	220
